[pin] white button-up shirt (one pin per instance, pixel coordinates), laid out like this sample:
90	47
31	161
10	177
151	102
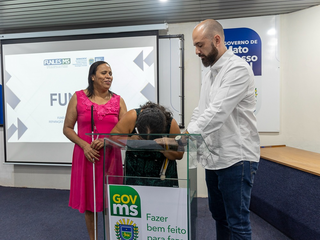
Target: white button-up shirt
225	114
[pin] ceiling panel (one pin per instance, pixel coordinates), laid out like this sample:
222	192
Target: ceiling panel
17	16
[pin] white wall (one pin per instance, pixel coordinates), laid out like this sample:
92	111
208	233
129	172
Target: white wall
300	79
300	99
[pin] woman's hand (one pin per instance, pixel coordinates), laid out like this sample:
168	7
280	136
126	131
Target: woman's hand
91	154
165	141
172	151
135	137
97	144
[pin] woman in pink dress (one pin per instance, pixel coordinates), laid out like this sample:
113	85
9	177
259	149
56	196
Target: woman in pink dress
108	108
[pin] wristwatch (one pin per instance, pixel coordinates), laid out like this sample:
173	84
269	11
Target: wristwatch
178	139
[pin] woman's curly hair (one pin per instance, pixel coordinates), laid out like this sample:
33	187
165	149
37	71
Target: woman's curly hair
165	111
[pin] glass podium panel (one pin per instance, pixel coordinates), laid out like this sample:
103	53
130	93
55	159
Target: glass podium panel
153	197
146	211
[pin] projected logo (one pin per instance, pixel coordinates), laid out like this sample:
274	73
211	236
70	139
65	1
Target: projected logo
80	62
13	101
126	229
148	90
245	43
95	59
57	61
99	59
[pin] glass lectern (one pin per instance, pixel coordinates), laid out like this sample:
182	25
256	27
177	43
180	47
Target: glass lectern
146	202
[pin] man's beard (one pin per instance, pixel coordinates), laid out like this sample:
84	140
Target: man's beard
211	58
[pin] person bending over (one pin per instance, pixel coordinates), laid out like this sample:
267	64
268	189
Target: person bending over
150	118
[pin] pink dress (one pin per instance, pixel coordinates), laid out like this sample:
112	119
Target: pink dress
81	187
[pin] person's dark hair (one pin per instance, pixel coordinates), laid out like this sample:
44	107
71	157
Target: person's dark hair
93	71
151	120
165	111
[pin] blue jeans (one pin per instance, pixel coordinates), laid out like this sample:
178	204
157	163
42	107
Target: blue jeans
229	194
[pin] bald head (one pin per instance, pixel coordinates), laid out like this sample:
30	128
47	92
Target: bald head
208	39
210	28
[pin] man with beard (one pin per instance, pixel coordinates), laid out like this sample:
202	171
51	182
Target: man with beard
225	119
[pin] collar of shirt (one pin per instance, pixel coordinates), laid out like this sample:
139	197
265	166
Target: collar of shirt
215	68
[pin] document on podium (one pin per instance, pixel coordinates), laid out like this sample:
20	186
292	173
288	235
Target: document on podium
143	145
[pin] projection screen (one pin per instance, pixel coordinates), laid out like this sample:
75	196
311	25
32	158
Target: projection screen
40	76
